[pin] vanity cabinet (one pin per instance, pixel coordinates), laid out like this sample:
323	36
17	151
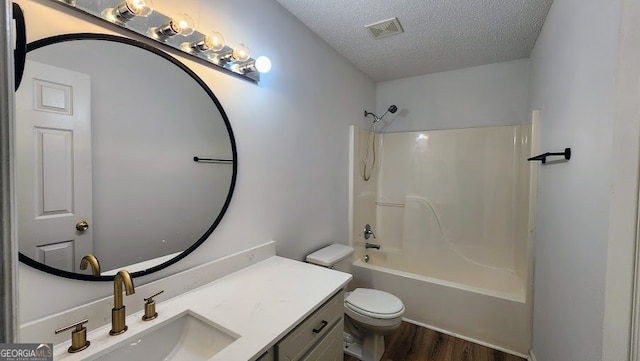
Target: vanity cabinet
318	337
268	355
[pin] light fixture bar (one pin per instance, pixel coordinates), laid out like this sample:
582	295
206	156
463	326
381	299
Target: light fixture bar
172	32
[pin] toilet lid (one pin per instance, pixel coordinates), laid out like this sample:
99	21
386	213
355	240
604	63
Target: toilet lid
375	303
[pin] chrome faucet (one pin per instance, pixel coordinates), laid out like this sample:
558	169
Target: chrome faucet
371	245
368	232
118	323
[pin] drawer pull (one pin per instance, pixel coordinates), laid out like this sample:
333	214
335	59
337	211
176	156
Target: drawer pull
324	324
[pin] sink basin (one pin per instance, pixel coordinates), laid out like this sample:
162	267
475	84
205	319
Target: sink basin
187	337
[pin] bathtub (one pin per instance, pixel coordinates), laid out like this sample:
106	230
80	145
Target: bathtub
483	305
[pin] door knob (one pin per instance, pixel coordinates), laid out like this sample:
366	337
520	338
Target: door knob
82	226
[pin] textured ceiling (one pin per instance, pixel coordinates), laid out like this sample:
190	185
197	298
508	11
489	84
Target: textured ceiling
439	35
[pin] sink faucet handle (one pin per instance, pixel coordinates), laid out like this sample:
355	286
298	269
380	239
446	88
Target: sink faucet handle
78	336
150	307
150	298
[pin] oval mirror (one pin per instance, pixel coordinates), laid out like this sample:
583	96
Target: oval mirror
122	152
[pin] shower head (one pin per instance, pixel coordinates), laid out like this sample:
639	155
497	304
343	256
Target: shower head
392	109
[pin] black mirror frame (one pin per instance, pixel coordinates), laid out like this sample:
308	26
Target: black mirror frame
114	38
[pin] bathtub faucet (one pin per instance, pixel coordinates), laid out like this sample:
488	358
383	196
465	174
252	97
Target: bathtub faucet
371	245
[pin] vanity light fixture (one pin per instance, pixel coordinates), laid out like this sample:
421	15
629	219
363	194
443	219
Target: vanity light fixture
140	17
213	41
128	10
262	64
182	25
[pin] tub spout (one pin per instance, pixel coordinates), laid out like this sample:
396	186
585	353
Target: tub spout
371	245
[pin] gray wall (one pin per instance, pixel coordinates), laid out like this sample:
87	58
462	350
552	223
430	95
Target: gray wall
573	83
291	130
487	95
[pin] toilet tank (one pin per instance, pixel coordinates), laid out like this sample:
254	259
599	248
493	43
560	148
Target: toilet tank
335	256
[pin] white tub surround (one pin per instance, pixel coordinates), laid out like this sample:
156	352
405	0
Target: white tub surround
452	213
260	304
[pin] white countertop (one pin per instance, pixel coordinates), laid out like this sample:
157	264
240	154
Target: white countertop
260	303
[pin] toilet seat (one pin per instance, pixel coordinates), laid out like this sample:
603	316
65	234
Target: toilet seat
374	303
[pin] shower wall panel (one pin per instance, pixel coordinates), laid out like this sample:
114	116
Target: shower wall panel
461	195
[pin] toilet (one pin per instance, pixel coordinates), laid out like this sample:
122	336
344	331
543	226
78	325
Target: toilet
369	314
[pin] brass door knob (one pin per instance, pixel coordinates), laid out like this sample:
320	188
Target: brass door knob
82	226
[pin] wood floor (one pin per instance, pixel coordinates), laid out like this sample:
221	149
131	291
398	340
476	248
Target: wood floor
415	343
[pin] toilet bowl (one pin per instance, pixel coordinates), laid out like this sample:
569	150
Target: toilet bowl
378	311
369	314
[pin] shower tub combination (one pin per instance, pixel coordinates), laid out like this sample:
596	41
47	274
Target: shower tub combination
452	213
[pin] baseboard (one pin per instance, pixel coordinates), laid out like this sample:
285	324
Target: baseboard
495	347
532	357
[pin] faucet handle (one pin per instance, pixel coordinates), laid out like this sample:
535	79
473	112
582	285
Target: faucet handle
368	232
78	336
150	307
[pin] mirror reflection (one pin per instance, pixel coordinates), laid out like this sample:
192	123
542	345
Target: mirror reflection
106	134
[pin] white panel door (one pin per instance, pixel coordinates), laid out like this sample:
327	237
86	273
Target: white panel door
53	164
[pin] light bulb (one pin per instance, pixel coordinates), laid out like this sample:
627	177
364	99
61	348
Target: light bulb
140	7
263	64
129	9
240	53
214	41
182	24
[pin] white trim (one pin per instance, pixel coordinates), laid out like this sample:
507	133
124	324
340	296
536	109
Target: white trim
633	31
621	299
352	169
634	352
532	357
8	236
482	343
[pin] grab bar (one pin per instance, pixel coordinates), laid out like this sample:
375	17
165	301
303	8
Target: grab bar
543	157
213	160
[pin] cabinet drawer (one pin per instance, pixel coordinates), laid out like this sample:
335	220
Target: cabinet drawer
330	348
293	346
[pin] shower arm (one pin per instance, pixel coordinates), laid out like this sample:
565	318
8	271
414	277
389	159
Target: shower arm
376	119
